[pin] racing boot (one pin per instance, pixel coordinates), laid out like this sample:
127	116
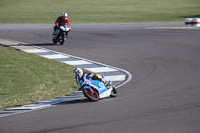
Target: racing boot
108	84
66	34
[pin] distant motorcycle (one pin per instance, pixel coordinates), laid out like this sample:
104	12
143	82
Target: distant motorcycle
60	33
95	89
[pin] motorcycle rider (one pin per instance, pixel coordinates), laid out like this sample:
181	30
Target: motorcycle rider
62	18
78	72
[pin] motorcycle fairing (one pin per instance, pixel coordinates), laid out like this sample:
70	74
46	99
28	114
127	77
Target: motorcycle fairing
94	84
103	91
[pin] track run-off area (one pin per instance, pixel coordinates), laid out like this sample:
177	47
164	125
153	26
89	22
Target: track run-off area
162	96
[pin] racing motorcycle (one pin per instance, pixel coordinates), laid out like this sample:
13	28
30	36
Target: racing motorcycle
95	89
60	33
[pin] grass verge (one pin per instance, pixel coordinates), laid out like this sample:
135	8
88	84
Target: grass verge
27	78
98	11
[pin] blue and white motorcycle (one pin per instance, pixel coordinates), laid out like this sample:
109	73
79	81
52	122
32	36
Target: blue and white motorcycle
95	89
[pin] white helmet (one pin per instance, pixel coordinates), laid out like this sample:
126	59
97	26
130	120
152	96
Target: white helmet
78	72
64	15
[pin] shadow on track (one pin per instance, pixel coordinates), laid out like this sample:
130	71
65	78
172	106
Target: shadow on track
75	102
37	44
43	44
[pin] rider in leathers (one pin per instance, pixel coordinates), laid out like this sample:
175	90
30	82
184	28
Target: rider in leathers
80	73
62	18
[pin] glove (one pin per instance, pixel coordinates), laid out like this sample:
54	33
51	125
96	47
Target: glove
56	27
89	75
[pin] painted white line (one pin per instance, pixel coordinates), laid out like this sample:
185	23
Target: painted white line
35	51
116	77
79	62
101	69
55	56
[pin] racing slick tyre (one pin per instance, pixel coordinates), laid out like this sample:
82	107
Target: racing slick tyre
55	40
93	96
113	92
61	39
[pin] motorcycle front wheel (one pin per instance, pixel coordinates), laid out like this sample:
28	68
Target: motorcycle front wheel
93	96
113	92
54	40
61	38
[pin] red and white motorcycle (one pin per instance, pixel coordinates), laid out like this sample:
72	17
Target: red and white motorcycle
61	33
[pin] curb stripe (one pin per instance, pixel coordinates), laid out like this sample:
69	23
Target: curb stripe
54	56
111	73
44	53
65	59
79	62
87	66
35	51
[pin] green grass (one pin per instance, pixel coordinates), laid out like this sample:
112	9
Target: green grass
98	11
27	78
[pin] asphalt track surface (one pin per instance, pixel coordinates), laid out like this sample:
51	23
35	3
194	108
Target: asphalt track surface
163	95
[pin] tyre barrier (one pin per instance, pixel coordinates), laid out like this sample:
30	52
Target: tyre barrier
196	22
192	22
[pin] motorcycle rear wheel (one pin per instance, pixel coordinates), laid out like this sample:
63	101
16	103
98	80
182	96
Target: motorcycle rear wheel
113	92
93	96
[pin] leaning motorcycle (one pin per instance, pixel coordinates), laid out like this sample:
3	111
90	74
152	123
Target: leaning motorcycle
60	34
95	89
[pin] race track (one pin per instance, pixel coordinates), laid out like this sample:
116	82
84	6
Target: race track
163	95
